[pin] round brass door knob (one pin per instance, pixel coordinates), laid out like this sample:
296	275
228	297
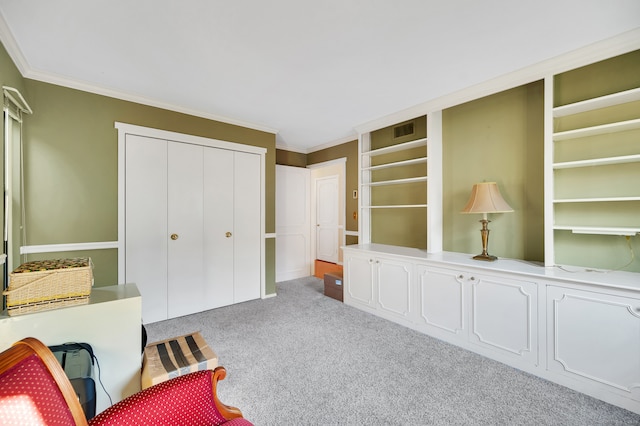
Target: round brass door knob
228	234
174	236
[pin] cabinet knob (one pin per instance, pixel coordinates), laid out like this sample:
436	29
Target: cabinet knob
227	234
473	278
174	237
461	277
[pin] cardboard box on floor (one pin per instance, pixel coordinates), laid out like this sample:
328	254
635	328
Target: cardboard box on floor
175	357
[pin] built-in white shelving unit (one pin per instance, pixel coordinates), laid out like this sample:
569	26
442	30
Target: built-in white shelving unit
593	166
403	175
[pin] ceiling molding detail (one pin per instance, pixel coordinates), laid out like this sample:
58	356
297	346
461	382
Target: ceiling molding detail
319	147
623	43
27	71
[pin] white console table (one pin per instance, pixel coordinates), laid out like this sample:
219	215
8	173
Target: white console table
111	323
579	329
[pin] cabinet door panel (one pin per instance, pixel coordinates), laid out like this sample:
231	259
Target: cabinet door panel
146	242
185	271
441	299
504	316
595	336
359	280
394	287
218	220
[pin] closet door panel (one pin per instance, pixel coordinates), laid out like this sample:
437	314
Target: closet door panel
146	223
184	233
247	239
218	221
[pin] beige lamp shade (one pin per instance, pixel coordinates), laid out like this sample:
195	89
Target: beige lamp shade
485	198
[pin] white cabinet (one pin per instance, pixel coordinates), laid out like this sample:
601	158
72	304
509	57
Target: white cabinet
493	313
110	323
359	281
442	301
381	285
504	316
191	221
394	282
594	337
581	330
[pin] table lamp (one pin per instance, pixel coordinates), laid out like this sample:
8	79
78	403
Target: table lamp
485	198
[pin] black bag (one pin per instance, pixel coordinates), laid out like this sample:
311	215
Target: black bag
76	360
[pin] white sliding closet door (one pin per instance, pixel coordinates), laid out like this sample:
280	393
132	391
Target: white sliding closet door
185	273
247	242
218	223
232	226
193	228
146	223
164	226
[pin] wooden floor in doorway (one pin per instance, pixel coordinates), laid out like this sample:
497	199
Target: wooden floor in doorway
322	267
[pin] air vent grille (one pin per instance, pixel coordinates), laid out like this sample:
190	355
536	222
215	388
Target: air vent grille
403	130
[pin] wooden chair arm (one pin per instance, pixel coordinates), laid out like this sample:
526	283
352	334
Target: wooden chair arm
227	411
31	345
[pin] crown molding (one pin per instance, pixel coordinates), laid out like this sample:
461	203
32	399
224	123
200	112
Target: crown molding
12	48
291	149
14	51
318	147
336	142
598	51
139	99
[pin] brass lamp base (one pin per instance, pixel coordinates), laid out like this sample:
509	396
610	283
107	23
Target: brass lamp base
484	232
485	257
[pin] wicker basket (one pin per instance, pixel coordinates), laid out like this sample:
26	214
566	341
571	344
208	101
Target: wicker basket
49	284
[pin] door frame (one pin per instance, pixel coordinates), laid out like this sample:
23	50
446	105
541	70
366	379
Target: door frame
316	170
125	129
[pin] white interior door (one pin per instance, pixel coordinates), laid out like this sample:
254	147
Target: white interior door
146	242
185	229
327	224
293	223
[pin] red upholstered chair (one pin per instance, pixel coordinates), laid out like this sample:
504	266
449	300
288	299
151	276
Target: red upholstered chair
34	390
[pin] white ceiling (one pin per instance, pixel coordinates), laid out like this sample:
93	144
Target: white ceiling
309	70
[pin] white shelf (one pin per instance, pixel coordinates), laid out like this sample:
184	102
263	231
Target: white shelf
597	103
397	206
397	164
619	126
395	148
397	181
596	199
598	162
598	230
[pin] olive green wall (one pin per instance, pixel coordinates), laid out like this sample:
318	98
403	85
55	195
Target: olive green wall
290	158
71	165
497	138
